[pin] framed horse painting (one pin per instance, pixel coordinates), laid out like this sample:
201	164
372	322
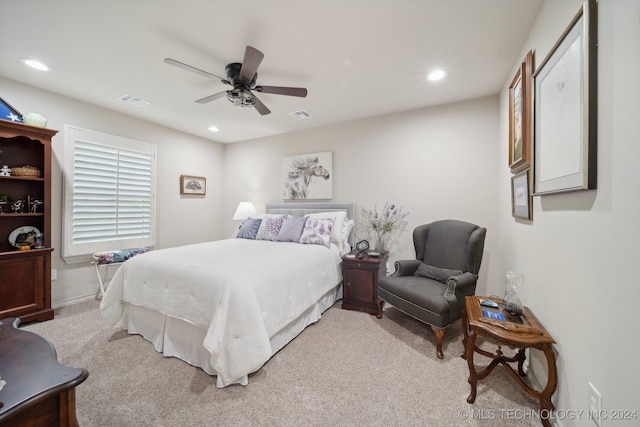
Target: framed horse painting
308	176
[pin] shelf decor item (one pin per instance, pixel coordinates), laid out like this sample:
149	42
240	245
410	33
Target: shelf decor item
26	171
34	119
7	112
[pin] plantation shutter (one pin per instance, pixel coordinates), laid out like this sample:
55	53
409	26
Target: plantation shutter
111	201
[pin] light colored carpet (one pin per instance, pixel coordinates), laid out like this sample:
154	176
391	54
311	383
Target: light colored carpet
349	369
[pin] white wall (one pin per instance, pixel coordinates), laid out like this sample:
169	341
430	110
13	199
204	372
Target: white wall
180	219
579	253
435	163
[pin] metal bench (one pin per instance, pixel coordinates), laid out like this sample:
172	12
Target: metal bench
109	258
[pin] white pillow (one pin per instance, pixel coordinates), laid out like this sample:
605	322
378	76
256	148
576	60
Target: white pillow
336	231
347	226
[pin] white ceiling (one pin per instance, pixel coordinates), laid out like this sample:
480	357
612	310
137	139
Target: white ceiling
358	58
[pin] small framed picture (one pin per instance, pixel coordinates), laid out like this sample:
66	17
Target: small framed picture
520	195
7	112
193	185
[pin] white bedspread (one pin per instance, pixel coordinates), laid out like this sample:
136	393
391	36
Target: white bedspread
240	291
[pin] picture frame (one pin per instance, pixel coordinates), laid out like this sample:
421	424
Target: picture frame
190	184
7	112
565	109
521	206
520	116
308	176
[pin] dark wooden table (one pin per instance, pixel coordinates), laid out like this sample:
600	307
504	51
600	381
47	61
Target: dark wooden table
39	390
519	333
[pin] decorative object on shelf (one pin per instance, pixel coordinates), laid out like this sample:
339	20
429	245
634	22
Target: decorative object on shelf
7	112
5	171
34	119
565	109
512	283
362	247
4	200
39	241
24	236
26	170
193	185
35	205
18	206
308	176
386	225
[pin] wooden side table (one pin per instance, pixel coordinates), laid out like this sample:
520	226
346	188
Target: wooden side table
39	392
360	282
516	332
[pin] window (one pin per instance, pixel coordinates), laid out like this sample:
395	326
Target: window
109	193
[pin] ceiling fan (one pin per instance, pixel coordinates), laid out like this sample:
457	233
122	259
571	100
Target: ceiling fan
242	76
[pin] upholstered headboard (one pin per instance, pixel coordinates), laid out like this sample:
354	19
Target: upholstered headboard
298	209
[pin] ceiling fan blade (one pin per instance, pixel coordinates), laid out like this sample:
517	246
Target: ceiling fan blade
280	90
213	97
250	63
262	109
194	69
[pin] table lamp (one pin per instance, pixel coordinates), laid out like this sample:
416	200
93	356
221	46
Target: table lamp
244	211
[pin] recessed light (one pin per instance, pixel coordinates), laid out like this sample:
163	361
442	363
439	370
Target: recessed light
436	75
213	129
35	64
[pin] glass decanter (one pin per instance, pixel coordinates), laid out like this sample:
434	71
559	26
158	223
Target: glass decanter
512	283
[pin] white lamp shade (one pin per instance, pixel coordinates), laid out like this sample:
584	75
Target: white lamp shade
244	211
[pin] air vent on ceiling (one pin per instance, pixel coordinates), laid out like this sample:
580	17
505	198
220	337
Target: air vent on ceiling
299	115
134	100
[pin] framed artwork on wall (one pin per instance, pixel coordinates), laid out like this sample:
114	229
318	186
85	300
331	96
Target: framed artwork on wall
520	116
565	109
521	196
308	176
193	185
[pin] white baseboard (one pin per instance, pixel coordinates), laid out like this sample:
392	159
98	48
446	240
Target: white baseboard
72	301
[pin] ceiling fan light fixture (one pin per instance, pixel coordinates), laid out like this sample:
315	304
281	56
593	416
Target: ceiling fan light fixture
241	97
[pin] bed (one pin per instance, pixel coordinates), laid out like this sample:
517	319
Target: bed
227	306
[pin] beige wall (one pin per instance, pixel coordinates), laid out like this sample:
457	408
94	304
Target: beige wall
577	255
576	252
436	163
180	219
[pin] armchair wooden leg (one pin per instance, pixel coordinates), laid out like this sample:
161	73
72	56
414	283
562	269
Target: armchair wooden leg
380	305
440	338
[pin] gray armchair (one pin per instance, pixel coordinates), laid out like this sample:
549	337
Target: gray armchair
432	287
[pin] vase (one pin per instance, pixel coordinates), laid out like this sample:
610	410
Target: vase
512	303
381	242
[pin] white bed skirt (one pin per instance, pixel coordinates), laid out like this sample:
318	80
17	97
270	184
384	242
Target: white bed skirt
177	338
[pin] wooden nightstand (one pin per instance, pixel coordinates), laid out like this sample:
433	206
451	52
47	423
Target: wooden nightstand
360	282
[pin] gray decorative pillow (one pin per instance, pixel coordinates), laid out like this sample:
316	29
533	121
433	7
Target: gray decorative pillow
435	273
249	228
291	229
